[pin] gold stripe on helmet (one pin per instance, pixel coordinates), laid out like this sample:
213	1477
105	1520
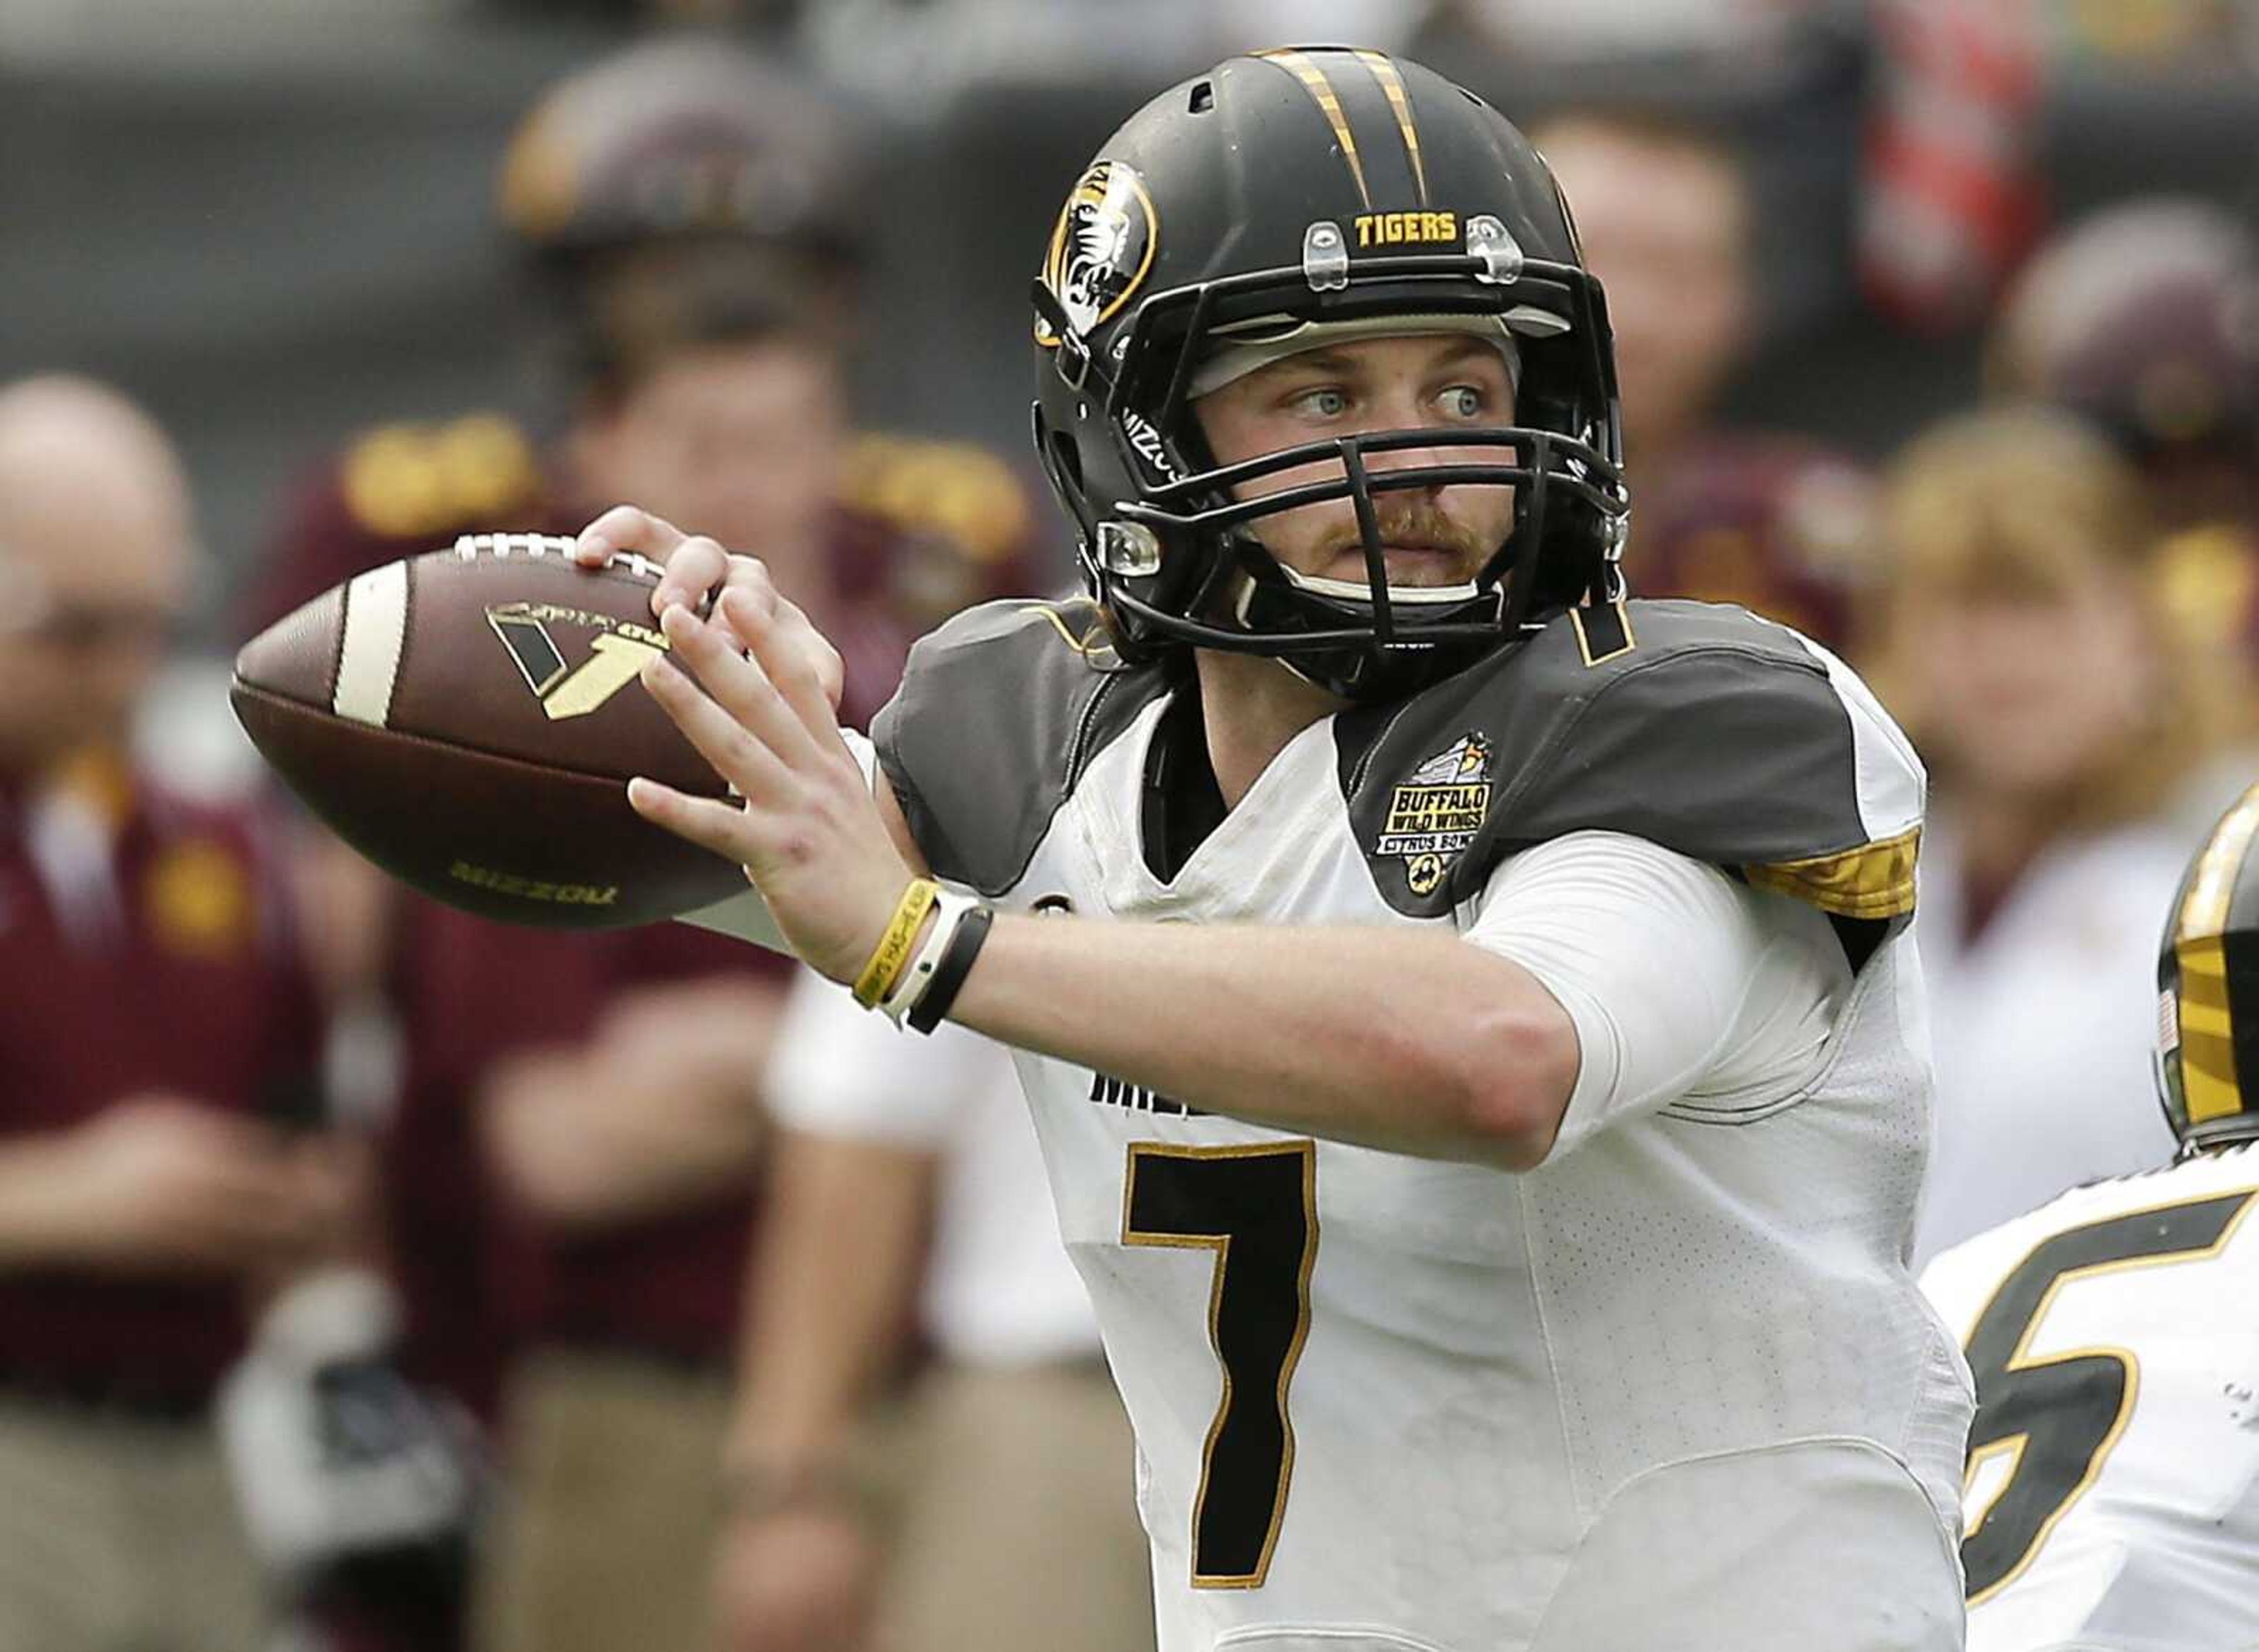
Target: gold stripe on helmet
2207	1051
1320	88
1392	84
2203	911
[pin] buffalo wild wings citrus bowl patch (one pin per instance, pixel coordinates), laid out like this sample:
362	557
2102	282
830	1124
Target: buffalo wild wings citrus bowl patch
1434	812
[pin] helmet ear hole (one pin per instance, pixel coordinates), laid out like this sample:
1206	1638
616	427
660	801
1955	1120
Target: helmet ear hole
1068	457
1062	461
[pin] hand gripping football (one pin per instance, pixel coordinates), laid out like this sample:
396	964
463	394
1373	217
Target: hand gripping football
468	720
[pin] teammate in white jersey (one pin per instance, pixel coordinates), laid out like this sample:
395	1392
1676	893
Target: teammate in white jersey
1468	1014
2112	1493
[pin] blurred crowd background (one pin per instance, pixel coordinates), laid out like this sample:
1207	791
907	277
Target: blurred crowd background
372	1278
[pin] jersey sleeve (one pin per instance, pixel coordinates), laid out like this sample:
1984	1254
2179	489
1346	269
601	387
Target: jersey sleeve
1687	990
997	712
1718	735
1771	759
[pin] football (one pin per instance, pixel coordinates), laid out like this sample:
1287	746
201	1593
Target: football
468	720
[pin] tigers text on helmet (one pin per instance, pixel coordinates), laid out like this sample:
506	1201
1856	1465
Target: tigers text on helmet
2208	988
1288	200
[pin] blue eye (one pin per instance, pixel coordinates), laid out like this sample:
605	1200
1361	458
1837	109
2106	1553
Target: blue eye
1326	401
1463	401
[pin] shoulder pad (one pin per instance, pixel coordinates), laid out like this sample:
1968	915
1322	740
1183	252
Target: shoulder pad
955	491
425	482
1701	728
997	714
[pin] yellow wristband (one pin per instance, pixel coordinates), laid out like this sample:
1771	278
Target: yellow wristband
893	953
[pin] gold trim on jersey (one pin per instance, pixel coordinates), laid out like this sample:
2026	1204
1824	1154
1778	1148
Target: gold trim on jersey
1585	642
956	491
1220	1246
1875	880
1392	86
2013	1449
1321	89
408	481
2125	1356
2209	1089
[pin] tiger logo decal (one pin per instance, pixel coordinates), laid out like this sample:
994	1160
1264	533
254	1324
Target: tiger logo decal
1101	248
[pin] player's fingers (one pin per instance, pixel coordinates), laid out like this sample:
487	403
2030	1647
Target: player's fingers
830	669
740	686
626	527
736	752
787	656
695	572
724	829
750	575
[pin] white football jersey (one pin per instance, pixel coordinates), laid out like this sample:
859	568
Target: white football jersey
2112	1486
1674	1388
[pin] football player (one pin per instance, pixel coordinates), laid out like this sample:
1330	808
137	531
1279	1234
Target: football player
2113	1488
1467	1013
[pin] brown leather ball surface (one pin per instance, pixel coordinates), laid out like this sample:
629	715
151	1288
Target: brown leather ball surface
468	720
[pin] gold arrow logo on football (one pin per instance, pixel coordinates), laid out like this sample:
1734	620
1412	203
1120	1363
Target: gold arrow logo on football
616	654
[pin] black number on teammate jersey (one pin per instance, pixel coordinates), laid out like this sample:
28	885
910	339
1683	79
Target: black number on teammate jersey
1254	1208
2057	1416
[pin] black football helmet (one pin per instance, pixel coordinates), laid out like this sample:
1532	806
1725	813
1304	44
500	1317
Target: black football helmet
1320	192
2208	982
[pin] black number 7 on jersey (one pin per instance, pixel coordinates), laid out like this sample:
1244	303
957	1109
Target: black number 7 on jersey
1256	1207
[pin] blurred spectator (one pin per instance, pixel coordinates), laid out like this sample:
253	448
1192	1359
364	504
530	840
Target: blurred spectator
1782	525
2208	581
572	1168
1786	528
1002	1503
159	1039
2144	317
1663	210
2023	647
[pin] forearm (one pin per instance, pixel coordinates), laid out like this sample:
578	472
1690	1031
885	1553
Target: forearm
839	1255
595	1152
37	1224
1416	1043
1409	1040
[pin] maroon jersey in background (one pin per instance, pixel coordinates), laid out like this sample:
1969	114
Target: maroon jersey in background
471	993
921	529
145	948
1783	526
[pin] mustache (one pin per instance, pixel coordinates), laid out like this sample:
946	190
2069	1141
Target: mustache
1413	524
